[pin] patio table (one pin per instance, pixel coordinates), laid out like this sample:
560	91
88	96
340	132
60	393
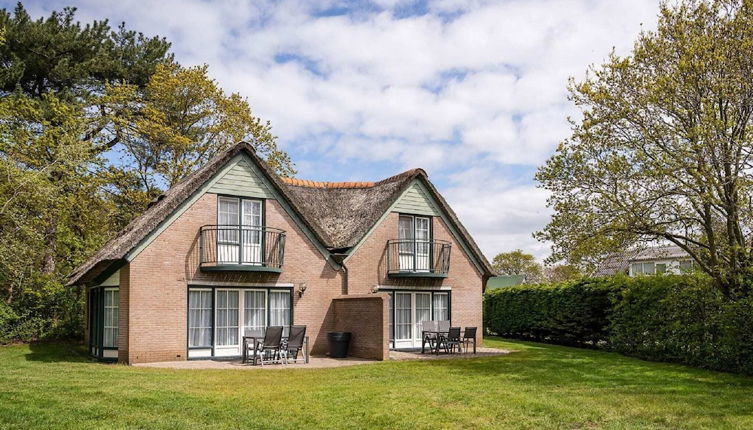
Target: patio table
254	340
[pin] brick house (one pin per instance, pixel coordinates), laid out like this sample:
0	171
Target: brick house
234	247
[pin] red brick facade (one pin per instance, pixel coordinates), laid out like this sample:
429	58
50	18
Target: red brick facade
366	316
367	268
154	286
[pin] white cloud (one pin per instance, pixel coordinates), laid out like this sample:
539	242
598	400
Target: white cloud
472	86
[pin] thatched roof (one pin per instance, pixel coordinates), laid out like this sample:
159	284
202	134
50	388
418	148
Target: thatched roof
347	210
338	213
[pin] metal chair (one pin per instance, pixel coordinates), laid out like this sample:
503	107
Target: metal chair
256	333
443	326
271	345
469	335
295	344
429	334
452	340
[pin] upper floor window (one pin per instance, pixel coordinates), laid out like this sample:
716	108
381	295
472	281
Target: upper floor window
414	234
240	230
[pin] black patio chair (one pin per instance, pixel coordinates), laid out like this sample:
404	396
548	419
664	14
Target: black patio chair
452	340
429	335
254	335
469	335
270	346
296	339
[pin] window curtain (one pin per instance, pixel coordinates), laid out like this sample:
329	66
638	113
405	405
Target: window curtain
279	309
227	237
406	244
110	334
402	316
199	318
252	231
441	307
227	317
255	310
423	311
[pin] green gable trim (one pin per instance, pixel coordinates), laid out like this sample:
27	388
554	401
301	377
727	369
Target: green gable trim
243	179
232	164
416	185
416	200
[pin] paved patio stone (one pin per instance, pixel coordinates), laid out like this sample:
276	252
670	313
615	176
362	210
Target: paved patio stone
416	355
319	362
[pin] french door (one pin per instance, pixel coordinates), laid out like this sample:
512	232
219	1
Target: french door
411	309
219	318
239	235
414	233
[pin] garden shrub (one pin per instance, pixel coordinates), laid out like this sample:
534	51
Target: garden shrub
681	319
44	310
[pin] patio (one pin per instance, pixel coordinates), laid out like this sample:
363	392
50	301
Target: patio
321	362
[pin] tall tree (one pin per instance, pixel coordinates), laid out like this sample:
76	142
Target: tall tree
561	273
55	118
663	150
518	263
182	118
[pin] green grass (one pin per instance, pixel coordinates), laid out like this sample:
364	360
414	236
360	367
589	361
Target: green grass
537	386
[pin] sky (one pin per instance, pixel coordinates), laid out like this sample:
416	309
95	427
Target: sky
474	92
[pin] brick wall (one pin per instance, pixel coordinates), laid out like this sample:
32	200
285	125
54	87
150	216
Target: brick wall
367	267
155	299
366	317
123	315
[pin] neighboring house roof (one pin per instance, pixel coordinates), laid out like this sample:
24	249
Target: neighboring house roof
339	214
503	281
619	262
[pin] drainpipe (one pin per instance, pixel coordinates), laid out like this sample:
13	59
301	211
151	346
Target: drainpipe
340	259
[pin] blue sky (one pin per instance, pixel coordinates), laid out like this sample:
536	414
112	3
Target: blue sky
474	92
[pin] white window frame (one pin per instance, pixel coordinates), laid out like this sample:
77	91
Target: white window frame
211	312
264	308
112	325
217	325
409	256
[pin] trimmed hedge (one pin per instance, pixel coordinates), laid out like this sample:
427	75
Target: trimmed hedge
570	313
680	319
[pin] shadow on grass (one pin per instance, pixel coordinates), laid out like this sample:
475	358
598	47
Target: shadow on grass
58	352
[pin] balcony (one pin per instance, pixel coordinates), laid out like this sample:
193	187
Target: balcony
241	248
410	258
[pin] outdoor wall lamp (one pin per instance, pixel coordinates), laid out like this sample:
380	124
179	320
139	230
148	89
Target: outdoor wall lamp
375	289
301	289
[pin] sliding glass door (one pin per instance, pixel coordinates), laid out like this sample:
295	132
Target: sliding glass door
408	311
218	318
411	309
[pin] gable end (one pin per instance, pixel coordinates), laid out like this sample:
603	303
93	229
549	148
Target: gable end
416	200
242	179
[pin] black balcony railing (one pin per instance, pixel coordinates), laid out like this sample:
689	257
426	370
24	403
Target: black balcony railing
240	247
417	258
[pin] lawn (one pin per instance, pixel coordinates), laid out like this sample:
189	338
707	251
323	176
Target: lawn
537	386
